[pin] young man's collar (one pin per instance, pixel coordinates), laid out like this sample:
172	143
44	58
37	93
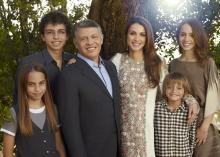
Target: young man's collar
47	55
49	58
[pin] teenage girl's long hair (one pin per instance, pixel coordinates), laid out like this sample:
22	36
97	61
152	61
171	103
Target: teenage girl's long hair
24	119
152	62
200	38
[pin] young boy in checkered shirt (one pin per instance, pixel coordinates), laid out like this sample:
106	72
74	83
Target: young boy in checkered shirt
174	137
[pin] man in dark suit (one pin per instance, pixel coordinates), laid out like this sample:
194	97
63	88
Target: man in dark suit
88	98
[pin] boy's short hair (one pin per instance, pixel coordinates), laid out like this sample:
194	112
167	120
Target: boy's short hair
173	78
86	24
55	17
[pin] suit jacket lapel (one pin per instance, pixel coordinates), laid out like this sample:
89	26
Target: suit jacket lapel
115	92
88	72
112	78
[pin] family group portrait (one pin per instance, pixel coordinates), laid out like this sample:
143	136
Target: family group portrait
110	78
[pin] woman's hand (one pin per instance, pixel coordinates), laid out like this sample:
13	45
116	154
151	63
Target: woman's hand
193	107
202	131
193	112
201	135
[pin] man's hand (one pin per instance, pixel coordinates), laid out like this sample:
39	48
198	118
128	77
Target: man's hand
71	61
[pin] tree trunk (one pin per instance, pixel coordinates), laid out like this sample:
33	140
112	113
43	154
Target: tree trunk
112	15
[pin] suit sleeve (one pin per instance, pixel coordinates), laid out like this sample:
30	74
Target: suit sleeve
68	102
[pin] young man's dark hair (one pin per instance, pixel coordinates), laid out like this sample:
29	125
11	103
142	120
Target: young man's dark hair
54	29
54	17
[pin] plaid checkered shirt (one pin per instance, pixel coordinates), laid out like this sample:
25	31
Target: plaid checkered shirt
173	136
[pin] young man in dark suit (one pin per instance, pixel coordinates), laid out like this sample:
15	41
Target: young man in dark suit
54	29
88	98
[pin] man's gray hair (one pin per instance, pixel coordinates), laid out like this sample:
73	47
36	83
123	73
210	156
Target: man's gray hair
86	24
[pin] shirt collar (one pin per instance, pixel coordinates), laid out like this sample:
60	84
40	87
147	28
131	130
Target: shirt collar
91	62
49	58
182	107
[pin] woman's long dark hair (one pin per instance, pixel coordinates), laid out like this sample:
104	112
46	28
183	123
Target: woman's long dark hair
152	62
24	119
200	38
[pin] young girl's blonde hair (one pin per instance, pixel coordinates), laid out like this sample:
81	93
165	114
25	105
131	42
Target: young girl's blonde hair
176	78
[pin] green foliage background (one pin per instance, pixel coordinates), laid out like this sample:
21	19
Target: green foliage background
165	20
19	36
